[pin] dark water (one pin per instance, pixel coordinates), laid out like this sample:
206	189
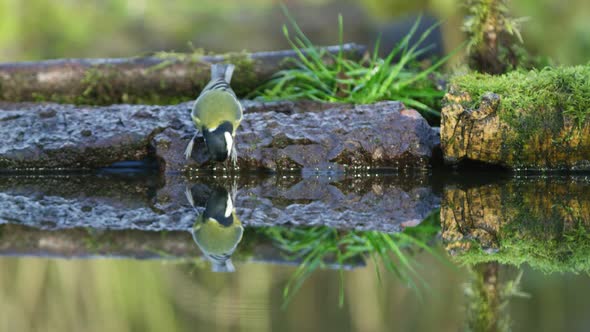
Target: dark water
365	251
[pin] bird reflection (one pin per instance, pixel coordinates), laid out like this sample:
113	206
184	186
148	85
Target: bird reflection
217	230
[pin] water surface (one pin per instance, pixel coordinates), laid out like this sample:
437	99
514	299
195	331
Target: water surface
366	251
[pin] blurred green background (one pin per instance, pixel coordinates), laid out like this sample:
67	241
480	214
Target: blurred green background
122	295
43	29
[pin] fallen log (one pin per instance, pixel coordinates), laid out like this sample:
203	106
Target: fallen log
159	79
541	221
19	240
80	242
535	120
118	202
273	136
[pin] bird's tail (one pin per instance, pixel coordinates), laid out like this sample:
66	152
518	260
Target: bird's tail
222	70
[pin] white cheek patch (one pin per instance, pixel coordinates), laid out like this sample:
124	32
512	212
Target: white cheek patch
229	206
229	141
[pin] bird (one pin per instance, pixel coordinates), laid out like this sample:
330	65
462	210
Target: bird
217	231
217	113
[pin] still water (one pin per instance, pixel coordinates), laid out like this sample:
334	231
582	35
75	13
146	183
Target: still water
370	251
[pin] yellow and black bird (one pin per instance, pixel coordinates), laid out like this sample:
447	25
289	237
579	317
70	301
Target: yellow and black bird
217	230
217	113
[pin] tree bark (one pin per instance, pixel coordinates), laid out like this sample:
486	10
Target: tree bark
165	79
532	140
277	136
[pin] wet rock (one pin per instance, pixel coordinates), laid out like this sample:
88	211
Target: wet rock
75	137
379	135
275	136
110	202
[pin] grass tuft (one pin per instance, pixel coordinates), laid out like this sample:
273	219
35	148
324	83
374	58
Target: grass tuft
322	76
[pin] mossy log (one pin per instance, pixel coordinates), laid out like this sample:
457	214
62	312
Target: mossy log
535	120
542	221
276	136
159	79
154	203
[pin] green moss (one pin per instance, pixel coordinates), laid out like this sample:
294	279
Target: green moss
538	105
242	60
563	252
537	92
245	79
171	57
102	85
97	81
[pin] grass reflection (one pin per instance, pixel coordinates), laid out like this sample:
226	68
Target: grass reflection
319	247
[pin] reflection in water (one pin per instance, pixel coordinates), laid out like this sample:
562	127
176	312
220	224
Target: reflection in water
38	294
217	230
319	247
489	227
494	228
488	292
544	222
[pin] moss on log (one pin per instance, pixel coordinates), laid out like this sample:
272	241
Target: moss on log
521	120
544	222
163	78
276	136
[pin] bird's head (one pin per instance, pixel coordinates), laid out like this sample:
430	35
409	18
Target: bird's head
219	141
